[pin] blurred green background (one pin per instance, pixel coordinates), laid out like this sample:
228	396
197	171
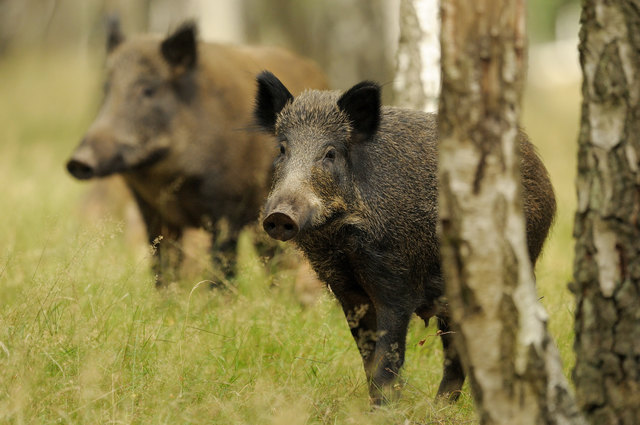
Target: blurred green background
85	337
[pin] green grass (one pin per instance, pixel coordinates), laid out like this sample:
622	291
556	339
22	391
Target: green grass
85	338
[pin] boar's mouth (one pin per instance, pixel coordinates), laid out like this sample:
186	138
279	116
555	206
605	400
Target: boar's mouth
155	156
83	168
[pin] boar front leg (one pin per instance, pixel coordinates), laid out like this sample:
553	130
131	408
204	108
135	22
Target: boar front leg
165	240
361	317
392	324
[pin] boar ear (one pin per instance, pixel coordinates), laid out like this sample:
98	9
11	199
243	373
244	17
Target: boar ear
361	103
114	33
272	96
180	49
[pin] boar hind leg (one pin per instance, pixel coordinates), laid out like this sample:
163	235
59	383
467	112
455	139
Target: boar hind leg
392	324
223	254
361	317
453	375
164	239
168	254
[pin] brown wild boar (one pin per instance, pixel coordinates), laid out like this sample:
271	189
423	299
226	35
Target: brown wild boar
176	123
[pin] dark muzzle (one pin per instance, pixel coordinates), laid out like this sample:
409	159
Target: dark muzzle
280	225
80	170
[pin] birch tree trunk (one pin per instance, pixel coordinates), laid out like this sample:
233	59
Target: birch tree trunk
513	366
607	251
417	78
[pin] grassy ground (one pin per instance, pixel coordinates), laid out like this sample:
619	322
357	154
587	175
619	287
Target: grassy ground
85	338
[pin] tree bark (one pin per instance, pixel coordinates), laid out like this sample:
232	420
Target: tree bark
417	78
607	251
513	366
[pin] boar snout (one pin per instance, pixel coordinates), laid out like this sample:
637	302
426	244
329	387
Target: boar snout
82	164
280	225
80	170
284	219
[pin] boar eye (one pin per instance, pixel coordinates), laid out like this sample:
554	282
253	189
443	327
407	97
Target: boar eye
283	150
330	155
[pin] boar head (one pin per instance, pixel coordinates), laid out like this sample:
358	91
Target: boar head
147	84
320	135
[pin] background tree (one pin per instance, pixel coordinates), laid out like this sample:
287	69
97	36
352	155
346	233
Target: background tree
607	250
513	366
352	40
417	77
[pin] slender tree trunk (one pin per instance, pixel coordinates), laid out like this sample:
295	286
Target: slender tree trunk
417	78
501	334
607	232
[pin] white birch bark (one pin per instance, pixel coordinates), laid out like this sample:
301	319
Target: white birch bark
513	366
417	80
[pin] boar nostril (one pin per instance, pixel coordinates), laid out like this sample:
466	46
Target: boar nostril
80	170
280	226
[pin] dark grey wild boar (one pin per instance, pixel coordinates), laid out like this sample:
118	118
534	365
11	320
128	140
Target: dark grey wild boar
355	187
175	123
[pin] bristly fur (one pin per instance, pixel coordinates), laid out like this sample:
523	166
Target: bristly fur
114	33
361	103
180	49
272	96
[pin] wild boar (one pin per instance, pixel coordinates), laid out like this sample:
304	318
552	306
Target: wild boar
175	123
355	187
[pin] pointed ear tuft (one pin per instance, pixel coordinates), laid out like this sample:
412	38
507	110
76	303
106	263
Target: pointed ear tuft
361	103
271	97
180	48
114	33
